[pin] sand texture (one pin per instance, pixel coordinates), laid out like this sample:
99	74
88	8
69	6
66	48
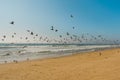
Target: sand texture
99	65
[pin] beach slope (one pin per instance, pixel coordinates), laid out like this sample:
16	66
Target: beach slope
98	65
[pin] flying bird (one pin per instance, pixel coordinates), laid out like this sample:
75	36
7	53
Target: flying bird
12	22
2	39
56	30
99	36
4	36
60	36
36	35
71	16
31	33
68	33
26	38
28	30
14	33
12	36
52	28
71	37
73	27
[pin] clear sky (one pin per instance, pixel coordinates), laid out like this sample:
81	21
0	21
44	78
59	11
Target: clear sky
90	16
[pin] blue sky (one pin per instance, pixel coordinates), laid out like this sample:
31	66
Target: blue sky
90	16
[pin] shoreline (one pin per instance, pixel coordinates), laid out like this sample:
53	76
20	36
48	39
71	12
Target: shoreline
84	51
96	65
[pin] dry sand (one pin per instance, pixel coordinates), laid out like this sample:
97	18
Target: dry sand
99	65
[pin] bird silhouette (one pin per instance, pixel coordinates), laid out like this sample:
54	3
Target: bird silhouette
56	30
12	22
52	28
71	16
31	33
28	30
67	33
26	38
2	39
4	36
12	36
14	33
73	27
36	35
60	36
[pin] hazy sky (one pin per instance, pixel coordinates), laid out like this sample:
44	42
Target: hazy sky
90	16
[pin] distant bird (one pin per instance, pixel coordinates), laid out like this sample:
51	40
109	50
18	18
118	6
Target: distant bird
40	37
4	36
73	27
14	33
68	34
99	35
12	36
5	61
28	30
26	38
56	30
60	36
31	33
36	35
2	39
47	41
71	16
12	22
15	61
52	28
71	37
82	37
95	38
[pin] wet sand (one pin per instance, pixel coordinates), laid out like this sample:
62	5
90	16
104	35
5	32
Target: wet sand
98	65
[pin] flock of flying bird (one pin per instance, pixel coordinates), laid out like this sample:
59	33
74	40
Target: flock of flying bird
67	38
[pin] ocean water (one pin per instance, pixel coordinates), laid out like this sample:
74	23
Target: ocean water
22	52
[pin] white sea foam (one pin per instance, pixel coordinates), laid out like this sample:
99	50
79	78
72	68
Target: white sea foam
21	52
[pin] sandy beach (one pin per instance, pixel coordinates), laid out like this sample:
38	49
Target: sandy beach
98	65
60	40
